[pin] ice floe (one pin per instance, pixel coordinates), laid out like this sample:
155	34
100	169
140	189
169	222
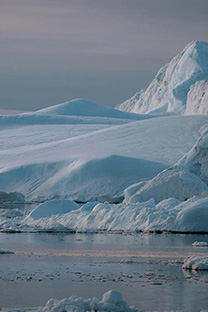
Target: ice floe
200	244
112	301
196	263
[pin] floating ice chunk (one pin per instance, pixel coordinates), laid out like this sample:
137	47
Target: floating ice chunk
112	302
200	244
196	263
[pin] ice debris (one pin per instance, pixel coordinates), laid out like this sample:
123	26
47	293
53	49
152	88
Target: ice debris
196	263
200	244
112	301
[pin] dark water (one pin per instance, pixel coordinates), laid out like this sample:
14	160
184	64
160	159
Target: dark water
146	269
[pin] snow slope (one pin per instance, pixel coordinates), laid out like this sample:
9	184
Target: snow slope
179	87
89	162
172	182
187	178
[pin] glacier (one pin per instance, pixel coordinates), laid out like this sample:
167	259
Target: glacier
90	167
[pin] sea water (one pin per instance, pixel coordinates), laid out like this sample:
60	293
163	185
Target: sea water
145	268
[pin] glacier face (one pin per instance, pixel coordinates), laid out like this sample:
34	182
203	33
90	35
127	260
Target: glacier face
178	87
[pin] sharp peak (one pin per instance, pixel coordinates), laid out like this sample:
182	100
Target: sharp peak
196	44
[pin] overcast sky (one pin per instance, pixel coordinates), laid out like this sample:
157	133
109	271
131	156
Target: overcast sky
52	51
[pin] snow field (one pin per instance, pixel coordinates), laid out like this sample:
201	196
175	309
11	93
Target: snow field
44	162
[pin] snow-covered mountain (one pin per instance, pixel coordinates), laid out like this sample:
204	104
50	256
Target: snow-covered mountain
179	87
152	169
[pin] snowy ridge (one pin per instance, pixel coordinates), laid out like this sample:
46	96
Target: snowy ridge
77	111
82	107
178	86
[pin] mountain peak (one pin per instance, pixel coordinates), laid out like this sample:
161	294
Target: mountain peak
169	91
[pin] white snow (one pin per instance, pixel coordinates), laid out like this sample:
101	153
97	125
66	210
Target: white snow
53	207
140	172
193	217
172	182
190	216
86	162
200	244
82	107
196	263
112	301
197	98
176	88
196	161
41	161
